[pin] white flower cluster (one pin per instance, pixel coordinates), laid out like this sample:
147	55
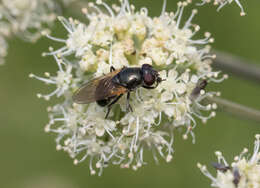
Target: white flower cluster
244	172
27	18
222	3
121	36
24	18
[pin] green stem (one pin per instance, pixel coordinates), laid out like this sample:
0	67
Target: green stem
236	109
237	66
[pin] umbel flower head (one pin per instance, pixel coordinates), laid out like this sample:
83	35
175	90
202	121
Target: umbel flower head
244	172
121	36
27	18
222	3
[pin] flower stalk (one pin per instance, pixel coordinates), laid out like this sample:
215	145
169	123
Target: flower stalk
235	108
237	66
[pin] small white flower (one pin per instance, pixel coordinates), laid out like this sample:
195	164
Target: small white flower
88	60
121	36
244	172
63	81
222	3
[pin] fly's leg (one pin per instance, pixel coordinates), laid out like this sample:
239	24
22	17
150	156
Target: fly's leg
128	106
138	95
111	104
112	69
147	87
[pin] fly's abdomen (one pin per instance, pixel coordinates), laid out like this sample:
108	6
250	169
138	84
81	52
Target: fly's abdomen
103	102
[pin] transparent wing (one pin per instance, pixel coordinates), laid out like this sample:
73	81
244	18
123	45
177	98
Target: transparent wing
97	89
86	93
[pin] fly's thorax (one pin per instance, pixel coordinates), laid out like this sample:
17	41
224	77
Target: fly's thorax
131	78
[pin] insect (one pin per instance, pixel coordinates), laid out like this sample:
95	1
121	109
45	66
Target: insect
221	167
196	91
235	171
108	89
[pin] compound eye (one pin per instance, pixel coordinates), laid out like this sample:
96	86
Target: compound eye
146	66
149	79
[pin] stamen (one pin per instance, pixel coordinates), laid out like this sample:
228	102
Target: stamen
66	24
163	7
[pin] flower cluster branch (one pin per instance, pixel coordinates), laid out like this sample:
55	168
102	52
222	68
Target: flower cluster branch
239	110
222	3
237	66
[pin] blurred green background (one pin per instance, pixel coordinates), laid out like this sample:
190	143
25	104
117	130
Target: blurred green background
28	157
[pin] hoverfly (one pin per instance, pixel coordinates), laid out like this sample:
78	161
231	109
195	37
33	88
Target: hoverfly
108	89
